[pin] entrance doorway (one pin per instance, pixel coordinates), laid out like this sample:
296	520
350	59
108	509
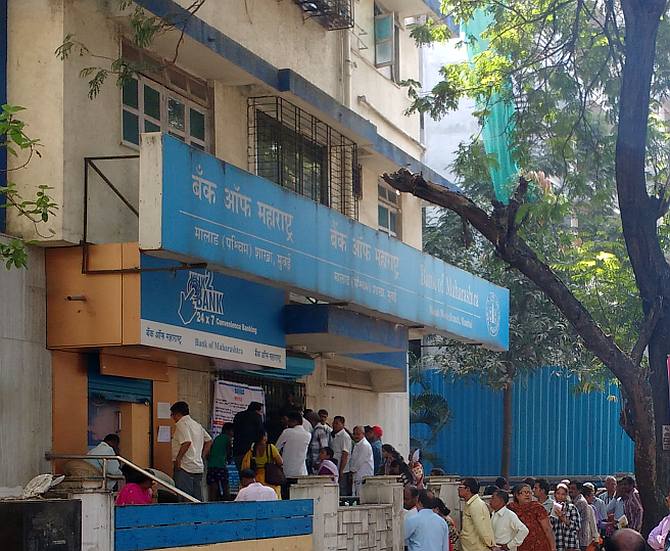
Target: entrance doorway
122	406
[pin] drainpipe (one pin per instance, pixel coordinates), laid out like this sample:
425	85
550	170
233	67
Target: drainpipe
346	67
3	100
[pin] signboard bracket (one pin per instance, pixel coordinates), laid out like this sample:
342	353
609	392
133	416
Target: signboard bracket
136	270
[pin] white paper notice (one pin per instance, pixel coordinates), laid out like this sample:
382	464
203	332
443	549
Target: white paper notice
164	433
163	410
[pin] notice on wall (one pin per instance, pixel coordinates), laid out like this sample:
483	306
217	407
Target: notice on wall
163	410
230	399
163	433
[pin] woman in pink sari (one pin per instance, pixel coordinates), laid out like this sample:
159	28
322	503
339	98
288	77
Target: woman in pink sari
138	489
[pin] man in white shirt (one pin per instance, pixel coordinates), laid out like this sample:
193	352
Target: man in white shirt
109	446
189	444
252	490
341	445
362	460
292	445
508	531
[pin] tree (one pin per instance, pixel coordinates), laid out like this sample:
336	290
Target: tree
145	29
15	141
539	334
588	80
425	408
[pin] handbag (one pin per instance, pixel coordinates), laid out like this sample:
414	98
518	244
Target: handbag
274	474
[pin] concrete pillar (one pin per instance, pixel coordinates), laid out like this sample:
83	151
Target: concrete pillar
383	490
97	520
326	496
446	488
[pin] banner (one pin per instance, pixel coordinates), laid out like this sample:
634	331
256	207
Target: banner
203	312
197	208
230	399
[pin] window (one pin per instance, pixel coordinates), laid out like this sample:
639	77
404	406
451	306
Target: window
388	210
291	160
151	107
387	43
164	99
295	150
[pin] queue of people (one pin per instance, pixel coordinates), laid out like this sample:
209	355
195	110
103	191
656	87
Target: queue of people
307	445
575	518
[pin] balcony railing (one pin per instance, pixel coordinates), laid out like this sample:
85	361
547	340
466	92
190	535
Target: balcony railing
335	15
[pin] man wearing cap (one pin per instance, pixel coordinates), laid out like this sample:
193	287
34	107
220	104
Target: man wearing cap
374	436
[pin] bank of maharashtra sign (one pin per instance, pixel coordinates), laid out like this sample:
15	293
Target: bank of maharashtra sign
199	311
194	206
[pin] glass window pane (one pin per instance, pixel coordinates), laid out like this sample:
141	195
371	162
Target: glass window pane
383	27
151	127
197	124
393	222
130	93
381	190
152	102
384	53
383	215
131	128
176	114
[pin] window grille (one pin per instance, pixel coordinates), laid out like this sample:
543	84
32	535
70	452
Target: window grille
335	15
299	152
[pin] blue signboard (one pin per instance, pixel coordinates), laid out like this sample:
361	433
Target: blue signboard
198	311
211	211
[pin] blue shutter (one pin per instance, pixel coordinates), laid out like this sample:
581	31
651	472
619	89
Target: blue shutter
119	389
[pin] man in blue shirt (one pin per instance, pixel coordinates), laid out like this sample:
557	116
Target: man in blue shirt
426	531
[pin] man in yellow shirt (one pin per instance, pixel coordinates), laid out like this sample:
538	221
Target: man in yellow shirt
477	532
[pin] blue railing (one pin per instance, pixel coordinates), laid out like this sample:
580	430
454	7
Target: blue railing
140	527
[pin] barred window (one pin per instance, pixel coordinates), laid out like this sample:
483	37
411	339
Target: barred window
297	151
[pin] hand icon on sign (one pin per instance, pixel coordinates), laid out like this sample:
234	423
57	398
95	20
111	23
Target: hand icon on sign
187	309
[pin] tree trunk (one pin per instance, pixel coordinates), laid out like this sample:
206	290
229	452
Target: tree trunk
507	427
653	496
639	213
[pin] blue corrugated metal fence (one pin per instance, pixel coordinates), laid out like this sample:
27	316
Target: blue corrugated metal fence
556	431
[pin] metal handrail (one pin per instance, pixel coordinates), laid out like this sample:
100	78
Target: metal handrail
51	457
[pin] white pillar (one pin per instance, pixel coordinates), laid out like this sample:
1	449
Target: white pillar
387	490
446	488
97	520
326	496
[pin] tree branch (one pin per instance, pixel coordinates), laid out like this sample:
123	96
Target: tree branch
647	330
516	252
